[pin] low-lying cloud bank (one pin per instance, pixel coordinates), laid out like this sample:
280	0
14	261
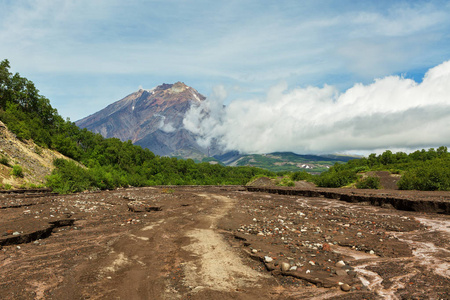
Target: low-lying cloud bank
391	113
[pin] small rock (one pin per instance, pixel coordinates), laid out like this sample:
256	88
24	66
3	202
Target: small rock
359	234
16	233
341	272
340	264
268	259
312	263
326	247
293	268
139	206
254	251
345	287
371	252
285	266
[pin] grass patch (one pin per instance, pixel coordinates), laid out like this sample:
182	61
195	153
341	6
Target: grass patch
285	181
4	161
17	171
370	182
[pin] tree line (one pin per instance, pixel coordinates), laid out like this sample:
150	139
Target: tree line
420	170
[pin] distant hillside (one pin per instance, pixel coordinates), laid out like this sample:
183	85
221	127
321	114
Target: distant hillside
283	161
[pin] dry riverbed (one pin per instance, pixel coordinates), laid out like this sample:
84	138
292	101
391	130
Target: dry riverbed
217	243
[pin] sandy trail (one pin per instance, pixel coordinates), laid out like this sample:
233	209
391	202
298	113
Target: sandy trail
217	266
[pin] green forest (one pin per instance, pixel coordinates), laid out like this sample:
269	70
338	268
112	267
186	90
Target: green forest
98	163
421	170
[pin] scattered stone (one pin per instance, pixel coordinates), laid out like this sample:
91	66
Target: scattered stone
268	259
326	247
345	287
139	206
285	266
341	272
16	233
254	251
340	264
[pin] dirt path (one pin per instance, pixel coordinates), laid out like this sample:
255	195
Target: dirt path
217	267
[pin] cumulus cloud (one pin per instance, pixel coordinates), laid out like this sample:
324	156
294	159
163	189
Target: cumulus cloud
164	126
206	120
391	113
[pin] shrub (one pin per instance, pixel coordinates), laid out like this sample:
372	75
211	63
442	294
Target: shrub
17	171
4	161
301	175
68	177
167	191
38	150
335	179
370	182
434	176
286	181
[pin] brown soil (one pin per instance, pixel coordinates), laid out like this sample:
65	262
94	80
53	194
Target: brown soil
387	180
217	243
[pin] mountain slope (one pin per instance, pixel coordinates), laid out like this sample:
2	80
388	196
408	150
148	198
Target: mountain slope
152	119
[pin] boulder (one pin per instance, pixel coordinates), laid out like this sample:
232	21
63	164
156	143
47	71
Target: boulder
139	206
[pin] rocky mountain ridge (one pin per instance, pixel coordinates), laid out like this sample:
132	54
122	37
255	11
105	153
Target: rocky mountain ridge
152	119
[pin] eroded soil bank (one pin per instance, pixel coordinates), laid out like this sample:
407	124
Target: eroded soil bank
218	243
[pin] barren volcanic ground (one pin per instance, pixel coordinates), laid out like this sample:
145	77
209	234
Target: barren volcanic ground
217	243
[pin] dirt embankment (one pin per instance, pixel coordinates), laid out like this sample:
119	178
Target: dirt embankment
435	202
217	243
36	162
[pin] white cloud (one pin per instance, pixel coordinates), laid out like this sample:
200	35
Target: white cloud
392	112
67	46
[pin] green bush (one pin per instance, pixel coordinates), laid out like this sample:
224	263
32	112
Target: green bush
429	176
370	182
4	161
335	179
7	186
68	177
17	171
301	175
286	181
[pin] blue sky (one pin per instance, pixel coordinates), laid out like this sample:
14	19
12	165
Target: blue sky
86	54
